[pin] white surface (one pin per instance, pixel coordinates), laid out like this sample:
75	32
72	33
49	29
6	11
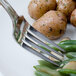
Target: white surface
14	60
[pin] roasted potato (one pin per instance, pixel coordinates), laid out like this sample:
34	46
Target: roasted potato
37	8
66	7
52	24
73	18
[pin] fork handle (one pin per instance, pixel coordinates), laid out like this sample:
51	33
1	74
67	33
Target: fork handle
9	10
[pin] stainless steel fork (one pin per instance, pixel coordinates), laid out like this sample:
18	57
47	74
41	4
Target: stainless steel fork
29	38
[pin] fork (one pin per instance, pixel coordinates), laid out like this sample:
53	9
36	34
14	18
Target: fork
29	38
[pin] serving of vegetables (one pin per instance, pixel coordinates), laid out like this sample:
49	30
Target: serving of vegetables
67	66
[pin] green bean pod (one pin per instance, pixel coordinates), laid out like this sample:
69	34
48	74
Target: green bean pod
68	42
68	45
47	70
38	73
68	48
71	55
48	64
67	71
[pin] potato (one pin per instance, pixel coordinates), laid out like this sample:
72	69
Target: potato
52	24
66	7
73	18
70	65
37	8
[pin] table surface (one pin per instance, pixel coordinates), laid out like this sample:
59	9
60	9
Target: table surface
14	60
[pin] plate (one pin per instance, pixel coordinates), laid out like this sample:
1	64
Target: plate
14	60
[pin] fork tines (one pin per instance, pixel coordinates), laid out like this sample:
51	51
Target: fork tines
33	40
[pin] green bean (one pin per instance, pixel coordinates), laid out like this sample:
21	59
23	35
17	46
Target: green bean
48	64
72	74
47	70
44	48
38	73
67	71
71	55
67	45
68	48
68	42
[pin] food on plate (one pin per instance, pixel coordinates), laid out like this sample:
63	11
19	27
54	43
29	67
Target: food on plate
71	55
42	62
52	24
37	8
47	70
43	70
68	71
67	66
66	7
38	73
73	18
67	45
70	65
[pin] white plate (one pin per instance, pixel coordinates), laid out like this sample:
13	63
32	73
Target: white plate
14	60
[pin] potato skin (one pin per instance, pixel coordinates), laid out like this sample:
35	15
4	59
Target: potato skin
37	8
66	7
52	24
73	18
